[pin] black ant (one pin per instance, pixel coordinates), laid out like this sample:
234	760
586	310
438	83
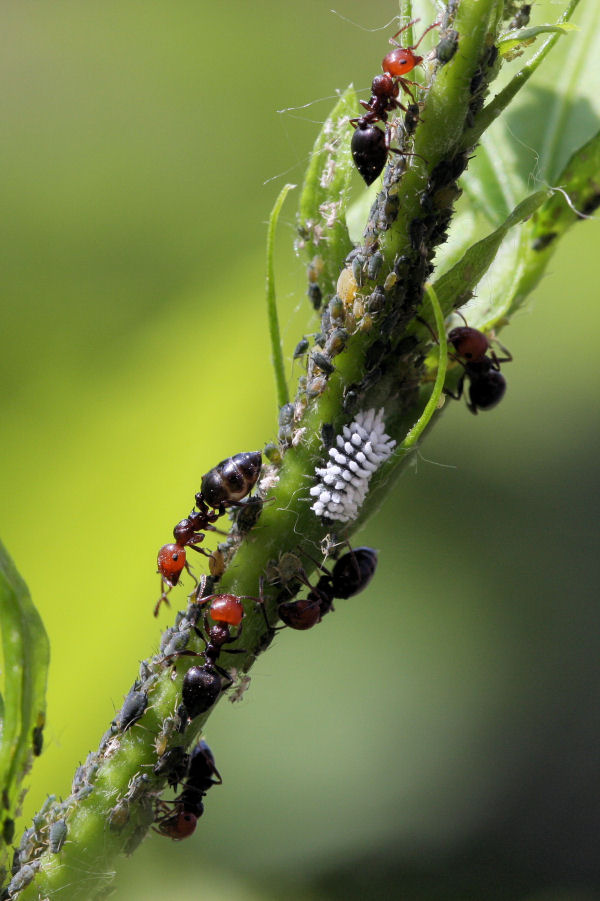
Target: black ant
225	485
481	364
370	145
350	575
179	820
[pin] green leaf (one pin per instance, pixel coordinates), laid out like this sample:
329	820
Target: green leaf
325	196
456	286
539	132
512	43
26	656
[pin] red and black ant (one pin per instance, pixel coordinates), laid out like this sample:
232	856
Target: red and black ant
177	819
225	485
202	685
370	145
481	364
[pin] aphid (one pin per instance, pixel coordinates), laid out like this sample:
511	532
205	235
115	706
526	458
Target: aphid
22	878
173	764
118	816
57	835
8	830
37	736
301	348
343	483
225	485
133	708
179	820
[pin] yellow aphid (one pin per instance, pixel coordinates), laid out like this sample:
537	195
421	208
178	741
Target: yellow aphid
346	286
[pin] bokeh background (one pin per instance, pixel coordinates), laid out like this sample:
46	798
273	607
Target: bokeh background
439	737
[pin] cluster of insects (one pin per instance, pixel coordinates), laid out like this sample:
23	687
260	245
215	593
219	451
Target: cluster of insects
222	619
225	485
197	772
371	145
481	367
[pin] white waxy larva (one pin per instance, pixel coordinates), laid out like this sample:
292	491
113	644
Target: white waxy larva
343	483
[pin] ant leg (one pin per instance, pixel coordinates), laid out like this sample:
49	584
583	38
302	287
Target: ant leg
199	550
459	389
404	28
496	359
190	572
435	25
163	599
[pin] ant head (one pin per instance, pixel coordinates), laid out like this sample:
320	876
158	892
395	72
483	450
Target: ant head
171	560
469	343
400	61
403	59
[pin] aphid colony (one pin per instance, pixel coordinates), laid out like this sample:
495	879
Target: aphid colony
370	145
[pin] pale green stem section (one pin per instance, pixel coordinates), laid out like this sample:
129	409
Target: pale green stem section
276	349
432	404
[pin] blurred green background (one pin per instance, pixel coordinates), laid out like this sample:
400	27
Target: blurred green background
439	737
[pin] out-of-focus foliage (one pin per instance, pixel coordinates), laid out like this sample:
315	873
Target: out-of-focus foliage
453	753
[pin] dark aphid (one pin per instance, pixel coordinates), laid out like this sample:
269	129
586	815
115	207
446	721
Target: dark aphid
22	878
37	735
248	513
231	479
315	295
133	708
301	348
447	47
323	362
8	830
57	835
173	764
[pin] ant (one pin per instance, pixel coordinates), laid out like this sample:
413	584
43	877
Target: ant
180	821
202	685
370	145
481	366
225	485
487	385
350	575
